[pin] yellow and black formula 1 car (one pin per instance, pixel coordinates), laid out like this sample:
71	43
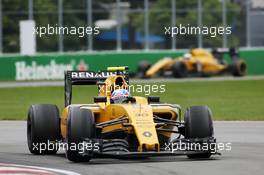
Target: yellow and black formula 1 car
199	62
135	127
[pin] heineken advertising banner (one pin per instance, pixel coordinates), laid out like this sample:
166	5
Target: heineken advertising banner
52	66
49	71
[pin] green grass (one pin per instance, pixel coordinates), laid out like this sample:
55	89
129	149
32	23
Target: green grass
229	100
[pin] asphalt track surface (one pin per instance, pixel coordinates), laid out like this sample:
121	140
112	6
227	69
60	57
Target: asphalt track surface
246	156
12	84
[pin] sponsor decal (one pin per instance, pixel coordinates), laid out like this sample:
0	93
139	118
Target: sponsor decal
82	66
50	71
83	75
141	114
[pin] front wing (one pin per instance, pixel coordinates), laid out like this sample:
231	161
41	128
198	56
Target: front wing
123	153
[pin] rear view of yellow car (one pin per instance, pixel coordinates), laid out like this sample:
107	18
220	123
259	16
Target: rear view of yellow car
112	128
199	62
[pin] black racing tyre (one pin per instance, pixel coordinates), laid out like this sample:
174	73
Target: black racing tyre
81	124
198	124
43	129
143	66
179	70
239	68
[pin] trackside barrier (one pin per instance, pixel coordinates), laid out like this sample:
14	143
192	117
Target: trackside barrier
52	66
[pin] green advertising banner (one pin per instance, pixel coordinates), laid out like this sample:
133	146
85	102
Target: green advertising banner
52	66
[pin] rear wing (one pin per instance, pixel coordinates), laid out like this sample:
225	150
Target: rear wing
232	52
89	78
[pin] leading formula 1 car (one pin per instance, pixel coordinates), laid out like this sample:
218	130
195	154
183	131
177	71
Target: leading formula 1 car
134	127
199	62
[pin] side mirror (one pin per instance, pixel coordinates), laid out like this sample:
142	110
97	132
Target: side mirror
100	99
152	99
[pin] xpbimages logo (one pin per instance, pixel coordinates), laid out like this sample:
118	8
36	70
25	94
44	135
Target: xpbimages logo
212	147
81	147
211	31
146	89
80	31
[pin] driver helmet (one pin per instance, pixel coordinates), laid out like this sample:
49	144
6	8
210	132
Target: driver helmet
187	56
119	95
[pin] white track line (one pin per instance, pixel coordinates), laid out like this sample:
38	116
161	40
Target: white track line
40	168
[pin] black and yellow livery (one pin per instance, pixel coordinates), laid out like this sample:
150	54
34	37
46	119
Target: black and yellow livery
137	127
199	62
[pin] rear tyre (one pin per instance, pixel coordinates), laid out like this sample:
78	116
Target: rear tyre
143	66
43	129
198	124
81	125
179	70
239	68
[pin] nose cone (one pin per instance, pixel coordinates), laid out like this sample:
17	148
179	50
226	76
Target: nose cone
141	117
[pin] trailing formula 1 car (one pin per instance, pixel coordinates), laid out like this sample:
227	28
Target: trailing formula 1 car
118	125
199	62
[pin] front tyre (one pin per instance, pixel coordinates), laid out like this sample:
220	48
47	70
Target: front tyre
43	129
198	125
179	70
81	125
